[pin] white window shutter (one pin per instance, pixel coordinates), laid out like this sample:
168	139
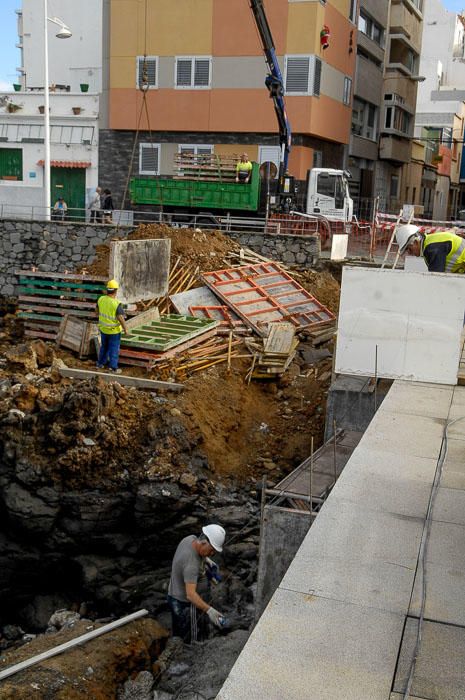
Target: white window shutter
149	158
202	72
297	73
184	72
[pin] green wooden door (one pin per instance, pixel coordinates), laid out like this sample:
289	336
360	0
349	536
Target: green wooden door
11	164
70	183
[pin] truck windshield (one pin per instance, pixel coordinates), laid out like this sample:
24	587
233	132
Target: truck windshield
331	186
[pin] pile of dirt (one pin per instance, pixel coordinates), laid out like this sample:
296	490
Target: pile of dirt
207	250
87	433
92	670
323	286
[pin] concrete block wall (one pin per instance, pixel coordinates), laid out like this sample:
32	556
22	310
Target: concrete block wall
52	247
55	247
291	250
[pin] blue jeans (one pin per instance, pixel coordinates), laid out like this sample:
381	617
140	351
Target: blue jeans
109	350
186	621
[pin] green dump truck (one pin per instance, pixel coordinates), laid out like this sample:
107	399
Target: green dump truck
326	195
186	195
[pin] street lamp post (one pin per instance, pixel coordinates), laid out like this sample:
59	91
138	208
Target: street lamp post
63	33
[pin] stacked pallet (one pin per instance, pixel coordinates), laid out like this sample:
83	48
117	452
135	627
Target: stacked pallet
274	353
205	166
322	334
45	298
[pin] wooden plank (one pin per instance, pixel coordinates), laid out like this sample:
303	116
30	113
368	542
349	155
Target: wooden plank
148	384
11	670
143	318
54	302
61	275
98	287
280	339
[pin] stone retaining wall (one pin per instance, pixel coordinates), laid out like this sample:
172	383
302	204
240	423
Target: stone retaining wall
55	247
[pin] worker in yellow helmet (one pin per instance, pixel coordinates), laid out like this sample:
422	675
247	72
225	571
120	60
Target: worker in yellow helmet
443	251
110	323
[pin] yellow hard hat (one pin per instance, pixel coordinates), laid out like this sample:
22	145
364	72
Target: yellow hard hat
112	284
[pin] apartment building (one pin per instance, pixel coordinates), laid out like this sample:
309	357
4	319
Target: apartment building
368	99
203	66
440	117
76	112
400	84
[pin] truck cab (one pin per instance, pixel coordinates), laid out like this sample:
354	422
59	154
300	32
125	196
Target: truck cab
328	195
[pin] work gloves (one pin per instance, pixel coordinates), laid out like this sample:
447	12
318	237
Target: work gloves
212	571
215	617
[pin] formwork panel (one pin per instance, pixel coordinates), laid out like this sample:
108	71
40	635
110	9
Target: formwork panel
263	293
400	326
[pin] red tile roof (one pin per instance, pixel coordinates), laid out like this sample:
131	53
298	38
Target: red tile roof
67	163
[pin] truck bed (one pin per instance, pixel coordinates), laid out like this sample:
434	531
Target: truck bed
196	193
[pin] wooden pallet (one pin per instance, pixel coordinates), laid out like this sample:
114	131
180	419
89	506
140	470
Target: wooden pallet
76	334
171	330
45	298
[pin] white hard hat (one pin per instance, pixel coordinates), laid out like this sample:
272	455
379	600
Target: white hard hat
405	235
215	535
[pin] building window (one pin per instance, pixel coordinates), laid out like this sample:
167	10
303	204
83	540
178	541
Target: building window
302	75
398	119
11	164
317	159
147	71
364	119
394	186
196	150
149	159
192	72
347	90
371	29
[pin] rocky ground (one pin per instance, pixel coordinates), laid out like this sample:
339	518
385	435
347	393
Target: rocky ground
98	483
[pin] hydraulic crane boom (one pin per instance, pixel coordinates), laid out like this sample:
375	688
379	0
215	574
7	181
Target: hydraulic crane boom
275	84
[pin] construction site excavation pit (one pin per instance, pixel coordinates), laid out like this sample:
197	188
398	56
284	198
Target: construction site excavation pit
100	481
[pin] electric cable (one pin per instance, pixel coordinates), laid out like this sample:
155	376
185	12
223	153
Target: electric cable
424	551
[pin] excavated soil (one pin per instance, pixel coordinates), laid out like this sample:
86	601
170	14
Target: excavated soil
91	433
242	430
206	250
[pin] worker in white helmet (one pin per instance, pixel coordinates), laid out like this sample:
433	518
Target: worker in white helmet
442	251
189	582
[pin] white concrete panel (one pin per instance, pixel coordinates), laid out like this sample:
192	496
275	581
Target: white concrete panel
339	245
310	648
414	264
445	576
411	323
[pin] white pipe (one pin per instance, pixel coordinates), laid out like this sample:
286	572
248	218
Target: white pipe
47	193
11	670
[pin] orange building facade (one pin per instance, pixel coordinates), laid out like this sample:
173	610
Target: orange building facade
203	66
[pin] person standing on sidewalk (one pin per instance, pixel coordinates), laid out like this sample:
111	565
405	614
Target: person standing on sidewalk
95	206
111	324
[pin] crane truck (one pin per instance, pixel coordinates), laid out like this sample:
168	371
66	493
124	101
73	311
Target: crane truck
327	192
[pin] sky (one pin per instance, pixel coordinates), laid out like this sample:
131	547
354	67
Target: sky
9	54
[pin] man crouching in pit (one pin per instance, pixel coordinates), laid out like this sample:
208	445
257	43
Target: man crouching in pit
191	565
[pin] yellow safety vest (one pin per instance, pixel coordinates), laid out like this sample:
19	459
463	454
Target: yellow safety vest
455	261
245	167
107	321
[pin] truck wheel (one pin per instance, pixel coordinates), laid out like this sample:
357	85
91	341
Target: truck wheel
207	222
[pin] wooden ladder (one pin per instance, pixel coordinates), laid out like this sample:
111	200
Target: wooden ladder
392	239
